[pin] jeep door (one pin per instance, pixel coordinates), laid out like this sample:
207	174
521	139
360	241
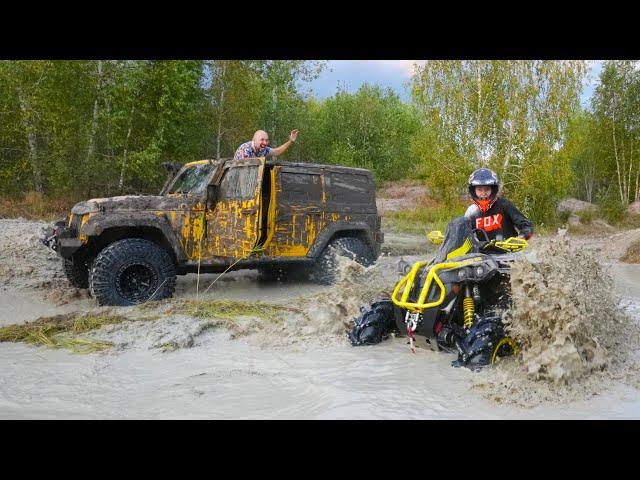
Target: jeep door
233	225
300	203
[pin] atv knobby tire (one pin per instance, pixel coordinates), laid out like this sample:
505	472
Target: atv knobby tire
374	324
325	268
77	272
132	271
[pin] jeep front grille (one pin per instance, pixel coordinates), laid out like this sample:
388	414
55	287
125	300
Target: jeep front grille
75	224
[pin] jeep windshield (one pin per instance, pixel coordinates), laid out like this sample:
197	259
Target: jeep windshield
193	179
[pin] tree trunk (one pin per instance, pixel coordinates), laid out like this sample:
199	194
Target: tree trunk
588	176
615	149
126	146
628	181
507	155
623	168
220	111
33	147
274	97
636	196
94	117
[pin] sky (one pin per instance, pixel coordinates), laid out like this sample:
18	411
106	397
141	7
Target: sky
351	74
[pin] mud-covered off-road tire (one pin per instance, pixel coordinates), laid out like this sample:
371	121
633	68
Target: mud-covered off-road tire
374	324
132	271
324	270
506	347
272	274
76	271
281	274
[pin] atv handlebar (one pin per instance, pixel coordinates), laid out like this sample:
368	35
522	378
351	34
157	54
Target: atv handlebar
511	244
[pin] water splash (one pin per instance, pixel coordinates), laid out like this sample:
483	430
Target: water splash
575	337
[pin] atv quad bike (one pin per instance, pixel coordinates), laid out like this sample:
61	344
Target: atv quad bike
454	302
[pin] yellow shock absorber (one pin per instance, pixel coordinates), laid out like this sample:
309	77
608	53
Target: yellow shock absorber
469	309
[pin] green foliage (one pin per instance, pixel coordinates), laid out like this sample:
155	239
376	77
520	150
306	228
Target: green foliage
586	216
98	128
510	116
544	179
93	128
370	129
603	143
582	151
423	220
615	131
610	206
563	216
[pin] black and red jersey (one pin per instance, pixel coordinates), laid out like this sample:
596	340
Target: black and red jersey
501	221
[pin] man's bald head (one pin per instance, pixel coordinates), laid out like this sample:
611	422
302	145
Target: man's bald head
260	139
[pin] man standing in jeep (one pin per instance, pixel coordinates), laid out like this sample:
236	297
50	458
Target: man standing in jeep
259	146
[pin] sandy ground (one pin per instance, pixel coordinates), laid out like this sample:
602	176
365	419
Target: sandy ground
292	369
396	197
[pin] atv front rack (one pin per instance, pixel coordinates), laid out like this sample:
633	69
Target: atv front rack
406	285
409	280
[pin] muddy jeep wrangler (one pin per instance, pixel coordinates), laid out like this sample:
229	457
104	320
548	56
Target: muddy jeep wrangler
212	216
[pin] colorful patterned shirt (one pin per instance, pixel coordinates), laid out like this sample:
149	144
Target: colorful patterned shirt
247	150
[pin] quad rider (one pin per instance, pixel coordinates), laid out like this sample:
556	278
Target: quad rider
492	213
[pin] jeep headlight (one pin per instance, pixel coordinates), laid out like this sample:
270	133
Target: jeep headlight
83	208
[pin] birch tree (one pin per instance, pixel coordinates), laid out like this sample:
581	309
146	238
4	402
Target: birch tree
510	116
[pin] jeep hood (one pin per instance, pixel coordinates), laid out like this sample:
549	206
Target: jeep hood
127	203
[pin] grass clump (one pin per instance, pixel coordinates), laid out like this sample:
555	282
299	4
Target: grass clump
633	253
54	331
35	206
82	345
232	309
629	221
586	216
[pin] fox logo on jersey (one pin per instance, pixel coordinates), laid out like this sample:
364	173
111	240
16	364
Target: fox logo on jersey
490	223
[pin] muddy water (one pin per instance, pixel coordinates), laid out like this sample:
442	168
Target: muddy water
231	379
295	374
627	279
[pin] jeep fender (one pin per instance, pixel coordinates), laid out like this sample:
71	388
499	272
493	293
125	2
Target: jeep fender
97	225
342	229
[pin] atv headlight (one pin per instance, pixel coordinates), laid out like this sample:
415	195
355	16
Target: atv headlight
462	274
479	270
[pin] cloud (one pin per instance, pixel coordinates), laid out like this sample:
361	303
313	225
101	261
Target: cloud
351	74
405	67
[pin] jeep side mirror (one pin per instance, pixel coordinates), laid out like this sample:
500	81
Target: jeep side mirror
172	169
435	237
212	194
